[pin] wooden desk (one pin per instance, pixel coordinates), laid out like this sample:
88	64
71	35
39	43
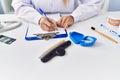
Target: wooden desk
19	61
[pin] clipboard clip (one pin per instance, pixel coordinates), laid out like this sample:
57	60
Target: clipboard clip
46	36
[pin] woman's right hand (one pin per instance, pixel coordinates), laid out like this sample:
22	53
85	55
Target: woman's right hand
47	24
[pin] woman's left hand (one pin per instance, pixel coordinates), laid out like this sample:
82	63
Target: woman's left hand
65	21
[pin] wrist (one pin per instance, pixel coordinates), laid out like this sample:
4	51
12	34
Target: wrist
39	22
72	18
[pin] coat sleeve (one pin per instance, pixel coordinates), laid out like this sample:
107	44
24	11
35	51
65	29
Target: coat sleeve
25	10
87	9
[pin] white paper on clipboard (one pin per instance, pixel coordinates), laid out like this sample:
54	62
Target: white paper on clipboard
35	29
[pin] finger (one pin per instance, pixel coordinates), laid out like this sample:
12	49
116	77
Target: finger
47	23
44	20
44	27
47	28
59	22
54	24
66	26
51	26
63	21
67	23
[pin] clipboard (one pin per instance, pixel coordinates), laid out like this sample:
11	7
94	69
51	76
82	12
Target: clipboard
35	29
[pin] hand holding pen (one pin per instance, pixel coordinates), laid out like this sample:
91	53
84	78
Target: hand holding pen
46	23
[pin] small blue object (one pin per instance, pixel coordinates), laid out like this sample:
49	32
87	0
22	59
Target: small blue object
42	12
79	38
110	30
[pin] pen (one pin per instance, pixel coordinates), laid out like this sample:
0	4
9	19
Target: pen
44	14
111	39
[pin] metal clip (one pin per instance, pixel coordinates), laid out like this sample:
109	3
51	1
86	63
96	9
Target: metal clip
46	36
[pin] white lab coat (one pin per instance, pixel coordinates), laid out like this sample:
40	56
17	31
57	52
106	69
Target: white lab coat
79	9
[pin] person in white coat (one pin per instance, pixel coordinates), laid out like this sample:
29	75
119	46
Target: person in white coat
78	10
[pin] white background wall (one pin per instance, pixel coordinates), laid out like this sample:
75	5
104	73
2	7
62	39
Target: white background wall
114	5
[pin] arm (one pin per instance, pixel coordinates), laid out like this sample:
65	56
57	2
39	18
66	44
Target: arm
25	10
87	9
